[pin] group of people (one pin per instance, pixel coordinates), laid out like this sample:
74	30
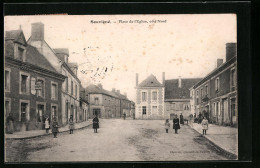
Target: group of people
177	122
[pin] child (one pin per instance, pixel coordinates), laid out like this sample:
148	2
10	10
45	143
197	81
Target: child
204	124
71	124
47	124
167	125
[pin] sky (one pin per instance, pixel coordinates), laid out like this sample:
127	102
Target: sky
111	49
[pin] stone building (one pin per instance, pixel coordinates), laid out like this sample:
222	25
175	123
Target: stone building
216	93
84	106
106	104
149	98
32	84
59	60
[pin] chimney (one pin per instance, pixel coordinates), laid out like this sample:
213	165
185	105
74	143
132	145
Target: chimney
219	62
37	31
136	79
113	90
100	86
231	50
20	27
179	82
118	91
163	78
125	94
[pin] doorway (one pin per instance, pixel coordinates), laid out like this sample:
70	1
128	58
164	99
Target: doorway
97	112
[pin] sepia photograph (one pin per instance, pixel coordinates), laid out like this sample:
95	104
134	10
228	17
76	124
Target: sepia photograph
139	87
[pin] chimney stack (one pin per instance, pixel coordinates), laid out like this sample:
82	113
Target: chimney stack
20	27
179	82
100	86
37	31
163	78
231	50
136	79
113	90
125	94
219	62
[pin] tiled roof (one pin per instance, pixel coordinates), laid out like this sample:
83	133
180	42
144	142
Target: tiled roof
150	81
34	57
61	51
93	89
9	48
172	90
12	35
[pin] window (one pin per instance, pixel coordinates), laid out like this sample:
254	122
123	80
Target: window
71	87
154	109
186	107
233	106
54	112
54	91
76	90
67	84
144	96
7	107
218	108
24	110
233	79
96	100
197	99
39	112
24	83
40	87
154	95
206	90
7	80
201	92
215	109
20	53
144	110
217	84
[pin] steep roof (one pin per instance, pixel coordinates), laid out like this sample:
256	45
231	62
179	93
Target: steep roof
150	81
172	90
34	57
15	35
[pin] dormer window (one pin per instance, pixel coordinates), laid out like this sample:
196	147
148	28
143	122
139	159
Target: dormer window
20	53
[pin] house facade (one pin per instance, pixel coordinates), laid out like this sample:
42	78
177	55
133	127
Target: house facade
58	58
149	99
106	104
177	96
32	84
217	92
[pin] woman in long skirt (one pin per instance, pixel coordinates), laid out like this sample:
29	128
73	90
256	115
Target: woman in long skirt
71	124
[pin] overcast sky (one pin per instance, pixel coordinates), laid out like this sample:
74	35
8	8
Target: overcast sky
184	45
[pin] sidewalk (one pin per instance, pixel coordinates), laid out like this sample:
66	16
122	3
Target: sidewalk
223	137
37	133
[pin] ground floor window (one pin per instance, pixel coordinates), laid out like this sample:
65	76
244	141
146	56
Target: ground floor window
54	112
233	106
24	109
39	113
144	110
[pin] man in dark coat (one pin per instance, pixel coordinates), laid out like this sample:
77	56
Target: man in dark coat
176	124
181	119
55	127
95	124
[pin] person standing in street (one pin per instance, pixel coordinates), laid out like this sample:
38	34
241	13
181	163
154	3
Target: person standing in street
181	119
71	124
176	124
205	125
95	124
124	116
55	127
167	125
47	124
10	124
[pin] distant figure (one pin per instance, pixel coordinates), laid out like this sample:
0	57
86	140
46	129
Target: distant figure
176	124
95	124
200	118
71	124
47	124
10	124
204	124
167	125
124	116
181	119
55	127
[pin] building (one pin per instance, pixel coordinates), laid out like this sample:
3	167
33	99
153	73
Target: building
216	93
59	59
106	104
149	98
177	96
84	106
32	84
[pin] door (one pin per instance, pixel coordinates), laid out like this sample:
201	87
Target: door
226	116
97	112
23	112
54	112
39	116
